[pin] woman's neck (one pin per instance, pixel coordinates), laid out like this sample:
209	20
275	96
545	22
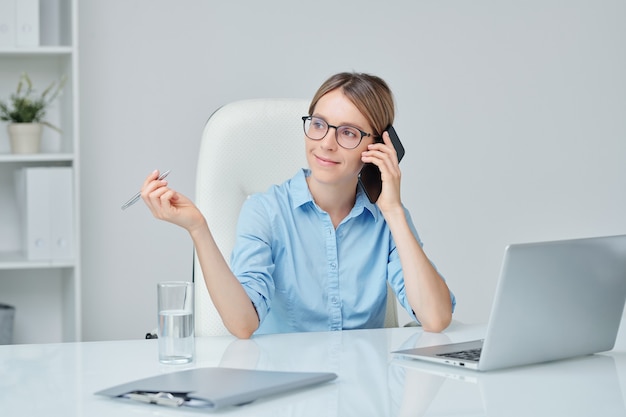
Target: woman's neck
335	200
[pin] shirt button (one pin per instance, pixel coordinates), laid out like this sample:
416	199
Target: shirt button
333	265
333	300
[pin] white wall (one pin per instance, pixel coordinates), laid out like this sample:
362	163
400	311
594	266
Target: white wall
512	114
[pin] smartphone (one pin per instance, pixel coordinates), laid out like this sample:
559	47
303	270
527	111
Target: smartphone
369	177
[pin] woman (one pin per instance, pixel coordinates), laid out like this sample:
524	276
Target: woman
313	253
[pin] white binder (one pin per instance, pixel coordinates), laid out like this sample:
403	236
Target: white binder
45	199
7	22
61	213
33	203
27	23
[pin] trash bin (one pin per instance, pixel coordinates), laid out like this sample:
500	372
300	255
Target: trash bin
7	313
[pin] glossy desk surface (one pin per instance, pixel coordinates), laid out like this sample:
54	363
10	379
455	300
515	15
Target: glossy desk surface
60	379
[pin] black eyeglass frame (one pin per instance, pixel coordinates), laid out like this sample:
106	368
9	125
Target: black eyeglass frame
328	126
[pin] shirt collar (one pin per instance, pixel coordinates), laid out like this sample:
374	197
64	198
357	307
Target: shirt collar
362	202
301	195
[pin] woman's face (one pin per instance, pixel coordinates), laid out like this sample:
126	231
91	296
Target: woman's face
330	163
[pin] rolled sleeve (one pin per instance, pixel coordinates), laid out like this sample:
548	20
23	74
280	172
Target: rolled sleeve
251	259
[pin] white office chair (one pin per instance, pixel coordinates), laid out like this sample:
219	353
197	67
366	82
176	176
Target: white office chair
246	147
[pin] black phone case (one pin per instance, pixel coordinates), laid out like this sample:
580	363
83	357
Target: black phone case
369	177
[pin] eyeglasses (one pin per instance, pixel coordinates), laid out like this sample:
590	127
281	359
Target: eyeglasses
348	137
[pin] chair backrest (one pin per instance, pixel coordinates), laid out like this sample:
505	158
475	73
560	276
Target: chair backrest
246	147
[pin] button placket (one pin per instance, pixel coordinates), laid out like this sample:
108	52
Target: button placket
334	297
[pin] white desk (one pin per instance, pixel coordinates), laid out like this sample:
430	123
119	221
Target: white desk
60	379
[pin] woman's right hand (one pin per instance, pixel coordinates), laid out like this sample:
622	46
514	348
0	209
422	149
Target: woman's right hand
169	205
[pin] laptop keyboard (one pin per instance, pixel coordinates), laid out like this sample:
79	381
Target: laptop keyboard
467	355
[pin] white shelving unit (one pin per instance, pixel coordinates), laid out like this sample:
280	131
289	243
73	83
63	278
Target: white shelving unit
46	294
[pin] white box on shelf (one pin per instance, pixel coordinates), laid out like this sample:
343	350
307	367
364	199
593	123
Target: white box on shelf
45	201
27	23
7	22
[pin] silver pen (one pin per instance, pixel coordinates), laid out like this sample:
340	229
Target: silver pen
137	196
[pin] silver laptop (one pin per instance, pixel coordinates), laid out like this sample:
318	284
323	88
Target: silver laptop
554	300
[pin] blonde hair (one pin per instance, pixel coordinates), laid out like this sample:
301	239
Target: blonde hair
370	94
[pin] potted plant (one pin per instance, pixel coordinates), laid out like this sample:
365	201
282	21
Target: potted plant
25	111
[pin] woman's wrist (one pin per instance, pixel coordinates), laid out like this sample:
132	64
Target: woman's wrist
198	229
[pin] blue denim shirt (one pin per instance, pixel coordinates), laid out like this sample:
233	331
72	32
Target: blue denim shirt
303	275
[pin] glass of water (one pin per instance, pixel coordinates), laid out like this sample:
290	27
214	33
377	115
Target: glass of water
175	330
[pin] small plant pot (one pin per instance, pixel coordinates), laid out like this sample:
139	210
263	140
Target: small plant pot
25	137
